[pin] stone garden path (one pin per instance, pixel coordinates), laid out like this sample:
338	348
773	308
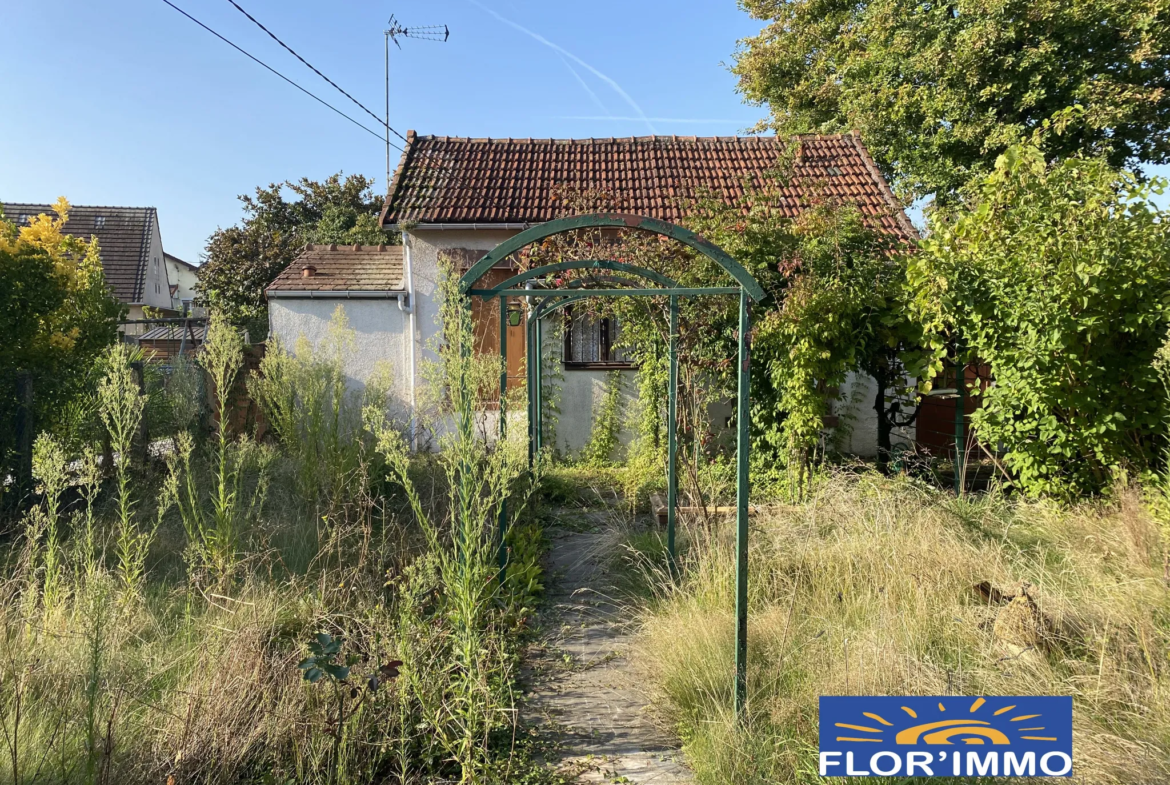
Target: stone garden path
584	694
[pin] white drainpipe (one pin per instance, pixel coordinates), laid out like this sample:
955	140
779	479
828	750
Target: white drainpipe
410	310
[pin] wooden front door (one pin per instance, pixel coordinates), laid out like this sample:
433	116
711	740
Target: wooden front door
485	318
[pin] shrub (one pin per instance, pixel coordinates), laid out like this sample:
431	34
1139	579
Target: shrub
1059	278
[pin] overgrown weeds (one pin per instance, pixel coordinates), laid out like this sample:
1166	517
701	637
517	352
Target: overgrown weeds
885	587
143	644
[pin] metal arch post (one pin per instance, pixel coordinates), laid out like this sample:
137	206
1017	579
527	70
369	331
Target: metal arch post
539	372
742	491
503	522
672	438
583	264
960	436
614	220
529	341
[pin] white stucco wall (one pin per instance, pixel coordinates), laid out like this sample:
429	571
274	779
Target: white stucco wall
156	289
858	432
581	393
423	250
380	336
184	277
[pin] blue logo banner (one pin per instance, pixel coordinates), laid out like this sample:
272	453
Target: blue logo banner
946	736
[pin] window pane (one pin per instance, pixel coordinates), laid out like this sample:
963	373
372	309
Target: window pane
586	339
617	354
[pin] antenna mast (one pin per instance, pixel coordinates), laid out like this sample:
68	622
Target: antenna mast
437	33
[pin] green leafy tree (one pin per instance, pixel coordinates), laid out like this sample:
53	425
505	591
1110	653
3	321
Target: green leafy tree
837	285
242	260
938	90
1058	276
57	316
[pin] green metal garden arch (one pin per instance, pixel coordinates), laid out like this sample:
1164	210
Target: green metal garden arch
749	291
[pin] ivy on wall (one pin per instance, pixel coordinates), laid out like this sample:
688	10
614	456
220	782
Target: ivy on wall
607	422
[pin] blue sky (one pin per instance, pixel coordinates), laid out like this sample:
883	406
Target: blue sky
125	102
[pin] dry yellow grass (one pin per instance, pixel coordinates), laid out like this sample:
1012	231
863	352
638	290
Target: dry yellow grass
871	588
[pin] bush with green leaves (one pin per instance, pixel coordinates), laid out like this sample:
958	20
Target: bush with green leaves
1058	277
57	316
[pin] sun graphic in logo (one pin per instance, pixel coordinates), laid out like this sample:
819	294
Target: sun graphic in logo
956	728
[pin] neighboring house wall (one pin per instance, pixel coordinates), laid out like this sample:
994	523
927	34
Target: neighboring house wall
156	289
183	276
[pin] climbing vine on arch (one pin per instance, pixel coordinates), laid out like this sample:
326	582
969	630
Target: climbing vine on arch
835	305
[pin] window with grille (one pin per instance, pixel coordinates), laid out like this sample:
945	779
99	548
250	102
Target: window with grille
592	342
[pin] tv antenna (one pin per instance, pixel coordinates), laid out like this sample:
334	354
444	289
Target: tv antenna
436	33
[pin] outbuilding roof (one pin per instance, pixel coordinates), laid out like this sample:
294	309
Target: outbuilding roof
454	180
342	268
123	235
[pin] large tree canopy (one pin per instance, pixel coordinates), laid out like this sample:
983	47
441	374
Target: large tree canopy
242	260
939	90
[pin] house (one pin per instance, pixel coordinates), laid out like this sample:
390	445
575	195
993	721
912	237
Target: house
370	284
131	249
183	277
458	198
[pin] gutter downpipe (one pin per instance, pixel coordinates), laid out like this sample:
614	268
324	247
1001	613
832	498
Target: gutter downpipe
410	311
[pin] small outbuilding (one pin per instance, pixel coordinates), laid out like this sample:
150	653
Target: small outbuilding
369	283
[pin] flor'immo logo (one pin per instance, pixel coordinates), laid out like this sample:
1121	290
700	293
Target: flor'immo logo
946	736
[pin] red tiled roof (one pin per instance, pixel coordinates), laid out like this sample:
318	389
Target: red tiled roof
343	268
451	180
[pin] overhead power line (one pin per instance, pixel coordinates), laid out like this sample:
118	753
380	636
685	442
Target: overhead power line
258	61
313	68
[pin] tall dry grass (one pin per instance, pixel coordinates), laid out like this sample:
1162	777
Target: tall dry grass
872	587
144	644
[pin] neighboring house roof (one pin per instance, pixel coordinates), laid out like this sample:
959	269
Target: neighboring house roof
172	258
341	269
451	180
123	236
175	332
